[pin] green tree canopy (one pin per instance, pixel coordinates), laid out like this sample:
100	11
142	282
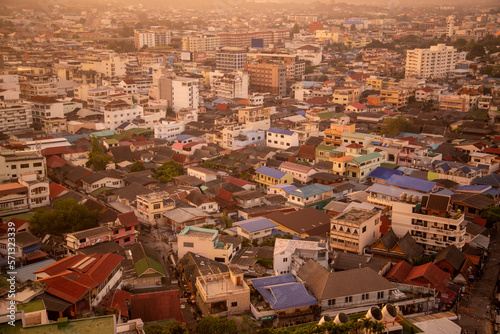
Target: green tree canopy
491	214
137	167
166	172
396	125
66	216
172	327
98	160
216	325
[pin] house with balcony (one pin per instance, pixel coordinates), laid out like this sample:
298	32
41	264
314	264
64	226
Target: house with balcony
289	255
314	195
283	300
223	294
346	289
354	229
27	248
124	228
13	199
484	161
432	223
150	207
299	172
267	176
382	194
360	168
86	238
205	242
38	189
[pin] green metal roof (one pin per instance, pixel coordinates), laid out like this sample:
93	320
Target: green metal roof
324	147
366	157
37	305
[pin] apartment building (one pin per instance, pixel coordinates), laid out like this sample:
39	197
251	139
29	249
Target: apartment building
432	222
353	230
15	116
452	102
15	163
253	114
37	84
245	39
434	62
358	169
282	139
168	130
118	112
150	207
229	85
151	38
345	96
397	97
201	43
45	110
267	77
230	59
204	242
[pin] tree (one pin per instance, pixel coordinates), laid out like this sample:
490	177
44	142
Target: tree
166	172
353	27
98	160
66	216
226	220
216	325
295	29
137	167
491	214
172	327
396	125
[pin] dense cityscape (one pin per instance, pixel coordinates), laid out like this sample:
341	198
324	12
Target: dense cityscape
231	167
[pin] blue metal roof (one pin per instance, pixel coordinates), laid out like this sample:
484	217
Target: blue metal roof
474	188
271	172
183	137
410	182
74	138
27	272
257	224
492	192
287	295
445	192
384	173
281	131
285	187
311	190
273	280
301	112
219	100
31	248
444	166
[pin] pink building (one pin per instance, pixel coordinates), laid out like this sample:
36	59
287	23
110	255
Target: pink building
124	230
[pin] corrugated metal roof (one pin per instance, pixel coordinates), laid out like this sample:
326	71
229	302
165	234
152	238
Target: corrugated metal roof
271	172
281	131
411	183
311	190
257	224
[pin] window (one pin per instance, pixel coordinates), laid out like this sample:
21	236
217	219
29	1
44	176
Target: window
128	228
116	231
25	165
380	295
156	206
188	244
13	166
37	164
234	304
365	296
220	259
285	259
348	299
127	239
363	230
331	302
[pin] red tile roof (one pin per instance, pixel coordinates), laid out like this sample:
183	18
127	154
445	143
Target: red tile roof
317	100
55	162
480	221
427	274
357	105
492	150
128	219
354	145
399	272
117	298
18	222
55	189
156	306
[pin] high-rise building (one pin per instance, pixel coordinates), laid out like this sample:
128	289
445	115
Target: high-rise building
434	62
200	43
151	38
267	76
244	39
229	85
179	92
450	26
230	59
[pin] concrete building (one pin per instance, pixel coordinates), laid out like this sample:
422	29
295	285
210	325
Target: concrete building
434	62
15	163
229	85
168	130
269	37
353	230
204	242
150	207
45	111
15	116
282	139
151	38
346	96
37	187
432	222
200	43
230	59
267	77
289	255
118	112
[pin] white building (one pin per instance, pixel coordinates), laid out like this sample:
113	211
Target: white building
229	85
185	93
450	26
200	43
15	163
168	130
15	116
282	139
151	38
204	242
288	254
230	59
119	112
434	62
38	189
46	109
432	223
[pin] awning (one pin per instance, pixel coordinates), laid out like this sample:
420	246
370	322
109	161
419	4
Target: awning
38	255
31	248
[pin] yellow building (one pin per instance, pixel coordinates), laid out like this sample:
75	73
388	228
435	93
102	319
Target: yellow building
266	176
333	135
346	95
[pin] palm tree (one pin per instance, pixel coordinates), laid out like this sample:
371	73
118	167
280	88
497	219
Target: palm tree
377	327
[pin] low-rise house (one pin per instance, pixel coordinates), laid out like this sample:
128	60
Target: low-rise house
266	177
255	228
314	195
193	265
248	198
205	242
86	238
81	280
382	174
289	255
204	174
354	229
299	172
157	306
284	299
200	201
450	260
124	228
223	293
27	247
102	179
13	199
391	247
412	183
142	267
303	223
345	289
282	139
38	189
180	218
360	168
151	206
